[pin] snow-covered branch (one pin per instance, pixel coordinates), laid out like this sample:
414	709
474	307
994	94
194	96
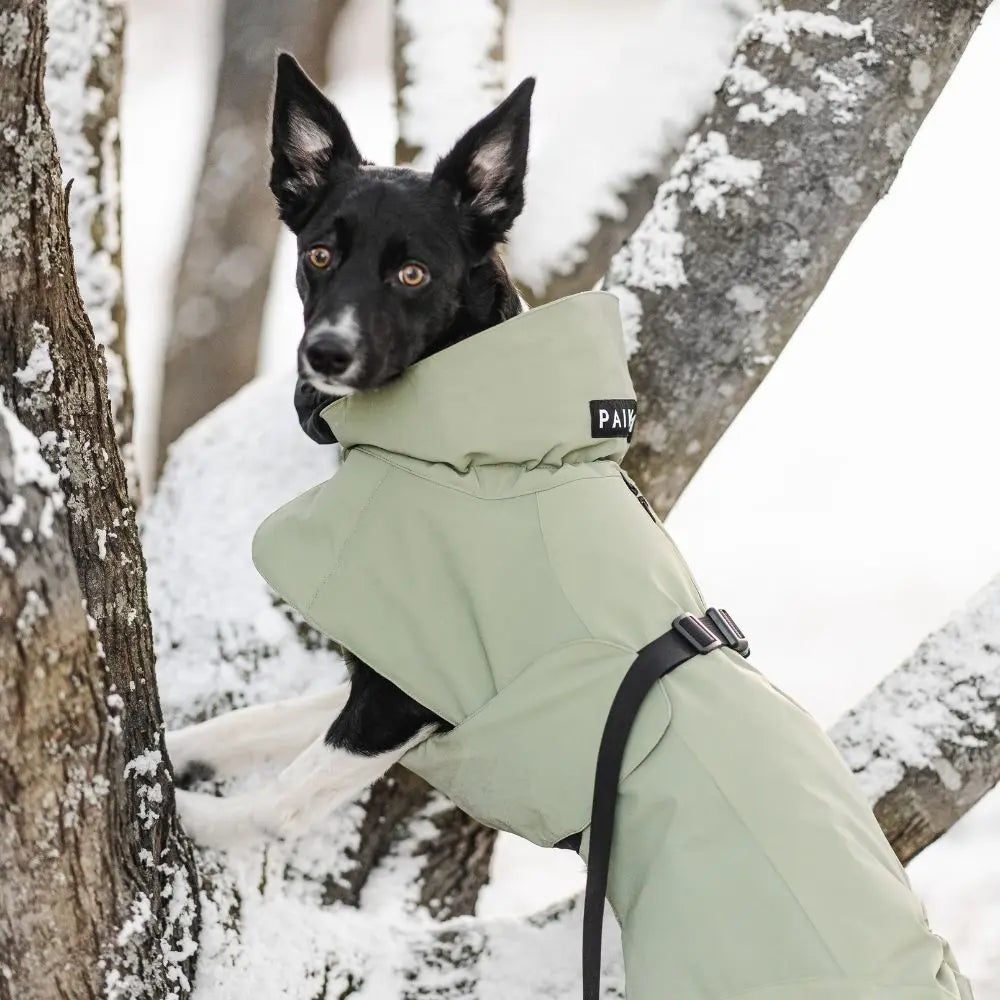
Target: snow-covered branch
596	161
448	64
806	133
925	744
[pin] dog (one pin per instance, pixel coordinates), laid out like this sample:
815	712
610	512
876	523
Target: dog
490	557
393	265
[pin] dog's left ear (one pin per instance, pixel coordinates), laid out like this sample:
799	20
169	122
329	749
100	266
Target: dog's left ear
310	142
487	165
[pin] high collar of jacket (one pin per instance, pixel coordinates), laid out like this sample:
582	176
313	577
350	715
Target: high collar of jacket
519	392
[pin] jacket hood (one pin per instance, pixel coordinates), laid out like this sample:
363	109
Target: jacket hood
519	392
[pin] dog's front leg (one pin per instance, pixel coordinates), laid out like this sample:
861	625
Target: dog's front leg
375	727
240	741
319	779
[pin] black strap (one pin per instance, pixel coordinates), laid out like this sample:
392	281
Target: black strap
688	637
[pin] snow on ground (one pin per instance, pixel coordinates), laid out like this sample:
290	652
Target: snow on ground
852	505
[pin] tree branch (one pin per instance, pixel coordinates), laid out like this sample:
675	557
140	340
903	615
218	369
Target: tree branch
806	134
598	162
925	744
448	64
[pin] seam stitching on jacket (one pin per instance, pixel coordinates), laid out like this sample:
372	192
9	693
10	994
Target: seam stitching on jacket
559	647
777	871
343	546
555	572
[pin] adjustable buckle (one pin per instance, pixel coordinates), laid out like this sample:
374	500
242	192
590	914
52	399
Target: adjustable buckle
731	632
703	640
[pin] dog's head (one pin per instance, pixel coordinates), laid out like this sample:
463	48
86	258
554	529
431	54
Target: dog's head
393	263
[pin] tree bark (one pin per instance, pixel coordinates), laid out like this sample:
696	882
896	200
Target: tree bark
55	734
806	134
225	265
134	870
83	81
449	72
941	754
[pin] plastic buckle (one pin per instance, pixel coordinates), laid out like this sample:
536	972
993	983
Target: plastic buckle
703	639
732	633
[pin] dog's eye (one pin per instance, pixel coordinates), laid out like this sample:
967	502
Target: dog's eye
413	274
320	257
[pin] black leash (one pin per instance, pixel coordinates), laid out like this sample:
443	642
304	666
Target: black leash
689	637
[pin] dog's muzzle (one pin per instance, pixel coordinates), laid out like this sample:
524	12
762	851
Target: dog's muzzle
328	354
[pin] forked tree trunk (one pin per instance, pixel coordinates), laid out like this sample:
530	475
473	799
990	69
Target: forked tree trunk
225	264
107	808
807	132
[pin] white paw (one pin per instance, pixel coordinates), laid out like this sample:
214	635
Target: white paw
187	753
211	821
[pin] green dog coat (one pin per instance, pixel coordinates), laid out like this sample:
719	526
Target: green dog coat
481	548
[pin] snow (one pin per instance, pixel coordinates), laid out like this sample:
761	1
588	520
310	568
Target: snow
706	170
665	60
28	469
34	609
777	101
777	26
944	694
37	373
221	640
453	80
844	515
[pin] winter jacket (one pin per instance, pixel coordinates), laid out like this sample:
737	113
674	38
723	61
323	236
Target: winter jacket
481	548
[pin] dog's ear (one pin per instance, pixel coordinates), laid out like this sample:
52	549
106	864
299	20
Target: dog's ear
310	142
487	165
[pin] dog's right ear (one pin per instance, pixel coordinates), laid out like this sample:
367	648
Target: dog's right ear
310	142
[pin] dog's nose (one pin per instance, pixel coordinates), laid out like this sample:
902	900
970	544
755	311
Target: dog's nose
328	354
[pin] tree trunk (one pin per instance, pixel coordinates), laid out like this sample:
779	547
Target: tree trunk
806	134
84	59
55	736
132	871
225	265
449	72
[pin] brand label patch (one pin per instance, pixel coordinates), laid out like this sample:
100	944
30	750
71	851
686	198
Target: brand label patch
612	418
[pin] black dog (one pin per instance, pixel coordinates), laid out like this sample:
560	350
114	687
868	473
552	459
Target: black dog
393	265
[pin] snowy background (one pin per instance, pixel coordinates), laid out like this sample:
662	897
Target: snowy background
853	504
